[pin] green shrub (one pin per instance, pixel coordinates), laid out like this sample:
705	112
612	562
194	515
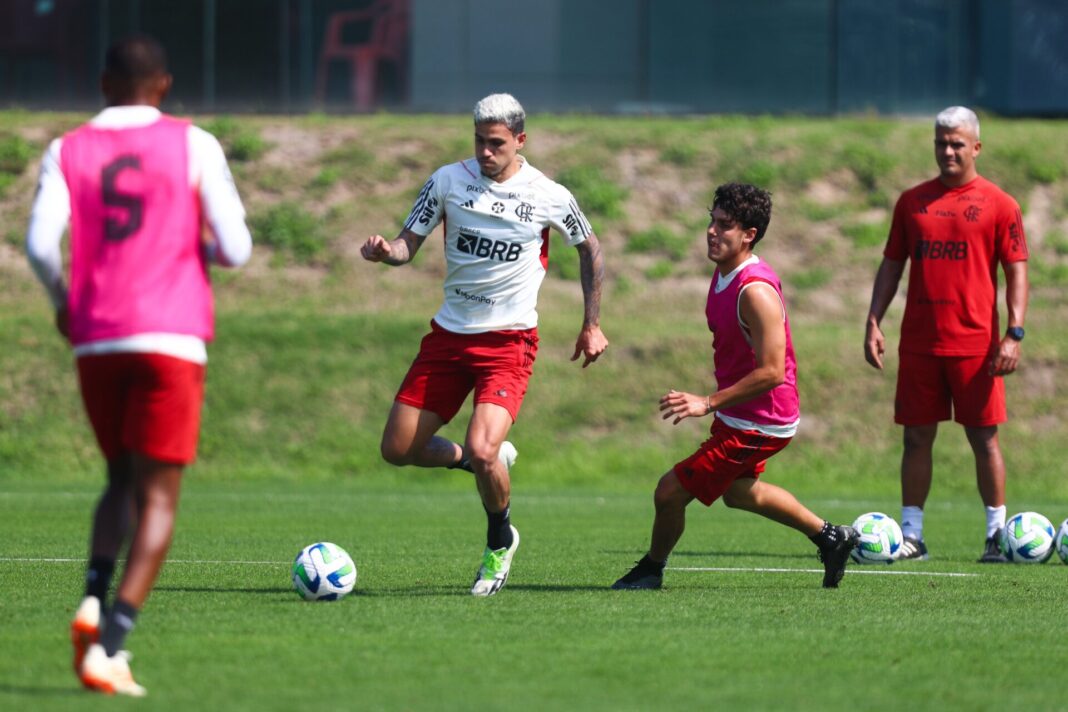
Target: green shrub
241	142
866	234
15	154
565	265
1058	241
761	173
660	270
811	278
679	154
596	194
290	228
326	178
869	163
659	239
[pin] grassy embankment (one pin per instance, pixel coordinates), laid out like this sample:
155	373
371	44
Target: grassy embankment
312	341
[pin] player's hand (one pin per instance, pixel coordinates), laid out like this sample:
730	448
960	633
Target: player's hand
682	405
376	249
63	322
591	344
1006	358
874	345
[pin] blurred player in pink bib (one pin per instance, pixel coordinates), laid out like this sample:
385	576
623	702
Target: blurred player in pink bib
137	188
497	210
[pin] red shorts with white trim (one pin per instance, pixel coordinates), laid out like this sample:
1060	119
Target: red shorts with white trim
728	455
931	388
145	403
495	364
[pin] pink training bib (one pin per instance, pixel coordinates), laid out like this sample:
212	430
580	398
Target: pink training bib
137	263
734	356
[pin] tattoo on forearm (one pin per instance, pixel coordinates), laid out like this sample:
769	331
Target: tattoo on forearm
591	270
404	248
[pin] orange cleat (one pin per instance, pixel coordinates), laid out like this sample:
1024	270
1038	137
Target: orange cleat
85	629
109	675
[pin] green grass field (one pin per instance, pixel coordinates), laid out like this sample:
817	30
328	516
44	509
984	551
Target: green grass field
312	343
224	630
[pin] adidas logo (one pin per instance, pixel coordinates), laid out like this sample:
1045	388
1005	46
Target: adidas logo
468	204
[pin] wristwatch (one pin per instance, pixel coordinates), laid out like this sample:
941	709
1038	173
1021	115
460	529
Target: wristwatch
1016	333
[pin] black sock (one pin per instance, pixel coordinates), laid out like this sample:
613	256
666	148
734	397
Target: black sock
119	623
464	463
498	529
828	536
98	577
647	564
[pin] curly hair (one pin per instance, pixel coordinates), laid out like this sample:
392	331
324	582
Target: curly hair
747	205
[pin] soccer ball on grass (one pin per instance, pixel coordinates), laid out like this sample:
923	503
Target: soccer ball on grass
1027	538
323	572
880	539
1061	542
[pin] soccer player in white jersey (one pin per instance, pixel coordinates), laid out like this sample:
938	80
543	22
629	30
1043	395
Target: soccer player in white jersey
497	211
137	188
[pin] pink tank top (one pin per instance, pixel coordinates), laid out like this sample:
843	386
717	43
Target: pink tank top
137	263
734	356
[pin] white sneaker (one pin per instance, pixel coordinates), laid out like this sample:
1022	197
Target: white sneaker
493	573
507	455
109	675
85	628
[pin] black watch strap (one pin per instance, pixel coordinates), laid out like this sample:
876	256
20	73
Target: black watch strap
1016	333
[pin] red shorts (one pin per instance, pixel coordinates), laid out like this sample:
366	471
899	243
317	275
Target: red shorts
728	455
496	364
928	385
145	403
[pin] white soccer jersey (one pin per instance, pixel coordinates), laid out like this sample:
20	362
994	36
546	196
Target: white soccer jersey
496	242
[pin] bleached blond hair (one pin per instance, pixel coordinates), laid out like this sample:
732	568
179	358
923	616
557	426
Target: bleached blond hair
956	117
501	109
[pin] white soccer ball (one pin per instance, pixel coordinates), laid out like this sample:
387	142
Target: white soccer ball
323	572
1027	538
880	539
1061	542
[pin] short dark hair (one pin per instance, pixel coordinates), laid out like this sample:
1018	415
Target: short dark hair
747	205
134	59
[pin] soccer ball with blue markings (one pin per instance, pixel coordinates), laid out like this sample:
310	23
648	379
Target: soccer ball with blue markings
1027	538
323	572
880	539
1061	543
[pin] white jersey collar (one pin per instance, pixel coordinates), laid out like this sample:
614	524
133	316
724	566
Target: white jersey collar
722	282
125	117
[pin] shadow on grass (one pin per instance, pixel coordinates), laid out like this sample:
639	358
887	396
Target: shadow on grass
43	690
223	589
718	554
558	587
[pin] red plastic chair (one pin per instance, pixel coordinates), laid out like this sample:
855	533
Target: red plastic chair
387	41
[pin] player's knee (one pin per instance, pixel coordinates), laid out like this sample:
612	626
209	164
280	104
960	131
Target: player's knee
482	456
395	454
919	439
669	493
732	500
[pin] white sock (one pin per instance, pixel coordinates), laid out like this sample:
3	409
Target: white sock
912	522
995	519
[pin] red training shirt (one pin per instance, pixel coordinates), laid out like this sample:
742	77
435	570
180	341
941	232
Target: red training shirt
955	238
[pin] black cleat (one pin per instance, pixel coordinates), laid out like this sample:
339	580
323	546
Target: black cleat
912	548
642	576
835	556
992	552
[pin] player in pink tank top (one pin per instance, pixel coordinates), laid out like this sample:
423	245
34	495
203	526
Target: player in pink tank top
138	314
755	404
